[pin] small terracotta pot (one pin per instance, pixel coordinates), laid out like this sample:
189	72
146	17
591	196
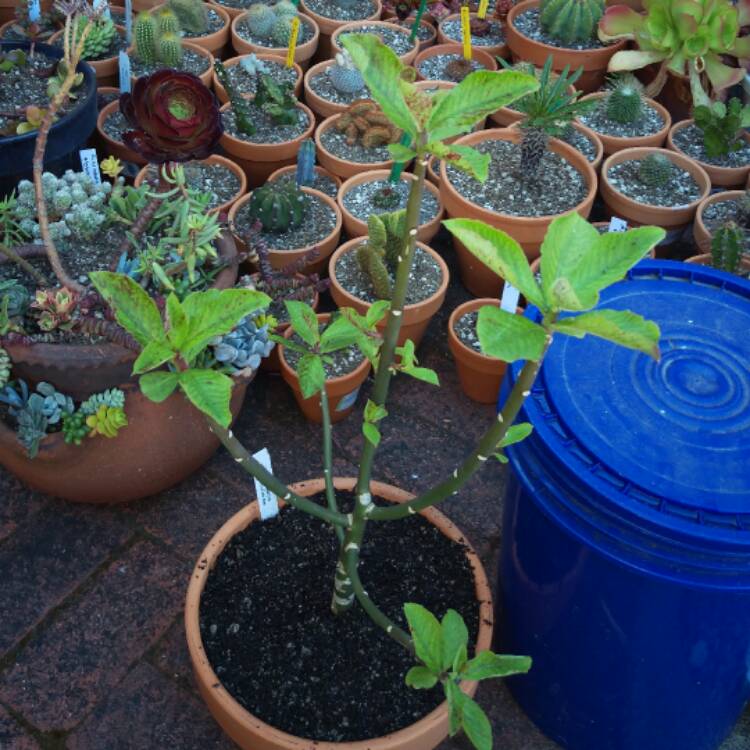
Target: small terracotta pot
323	108
281	258
425	24
102	91
527	231
707	260
453	49
480	376
213	43
342	391
328	26
112	147
107	70
221	94
494	50
320	170
232	12
162	445
721	177
701	235
593	61
355	227
302	53
407	58
205	76
213	159
637	214
415	317
258	160
139	5
613	144
432	175
249	732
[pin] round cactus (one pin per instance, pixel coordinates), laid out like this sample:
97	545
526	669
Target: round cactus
192	15
260	20
278	206
170	50
624	104
655	170
344	76
168	23
570	20
281	32
146	34
285	8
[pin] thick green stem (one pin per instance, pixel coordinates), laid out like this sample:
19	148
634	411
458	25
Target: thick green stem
328	460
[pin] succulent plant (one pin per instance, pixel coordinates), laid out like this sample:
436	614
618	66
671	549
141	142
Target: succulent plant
55	81
146	36
260	19
5	367
54	403
10	59
74	428
277	100
191	14
727	247
305	174
378	257
285	8
14	298
12	398
281	32
624	102
239	105
99	39
55	308
245	346
158	38
279	207
31	424
168	22
106	421
344	76
112	397
721	126
170	50
655	170
253	65
364	122
570	21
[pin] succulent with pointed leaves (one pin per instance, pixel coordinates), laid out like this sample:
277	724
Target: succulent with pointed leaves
55	309
112	398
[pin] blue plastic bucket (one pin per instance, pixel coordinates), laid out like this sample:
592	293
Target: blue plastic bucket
625	568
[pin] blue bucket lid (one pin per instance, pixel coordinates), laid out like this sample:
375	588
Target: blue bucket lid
669	440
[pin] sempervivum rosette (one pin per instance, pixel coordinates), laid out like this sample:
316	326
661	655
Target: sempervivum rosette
173	115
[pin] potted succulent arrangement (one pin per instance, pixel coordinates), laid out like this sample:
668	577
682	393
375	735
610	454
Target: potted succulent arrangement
716	210
332	86
446	62
442	659
393	36
244	71
729	249
486	33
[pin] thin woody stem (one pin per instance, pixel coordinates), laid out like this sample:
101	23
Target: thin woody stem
328	459
15	257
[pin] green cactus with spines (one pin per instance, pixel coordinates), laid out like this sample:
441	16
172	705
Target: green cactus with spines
285	8
146	36
99	39
727	247
260	20
624	103
170	50
239	105
570	21
655	170
192	15
278	206
281	32
379	256
168	22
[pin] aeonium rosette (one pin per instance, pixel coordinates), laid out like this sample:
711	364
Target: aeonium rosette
174	117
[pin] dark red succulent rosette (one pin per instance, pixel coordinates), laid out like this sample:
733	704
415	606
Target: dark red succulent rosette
174	117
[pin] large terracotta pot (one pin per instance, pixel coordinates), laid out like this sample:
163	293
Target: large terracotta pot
329	26
495	50
701	235
107	70
407	58
357	228
594	61
222	94
453	49
249	732
415	317
205	76
721	177
162	445
110	146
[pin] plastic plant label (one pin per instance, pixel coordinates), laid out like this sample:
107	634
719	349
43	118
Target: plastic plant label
509	300
348	400
124	63
104	6
129	21
90	164
483	5
35	11
466	31
267	501
617	225
292	42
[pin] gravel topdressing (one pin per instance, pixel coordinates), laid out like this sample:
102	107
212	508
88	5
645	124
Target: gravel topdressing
321	85
306	33
343	361
466	330
528	24
215	179
690	141
238	4
495	36
681	189
192	62
581	142
358	200
424	31
648	123
335	142
433	68
246	83
266	131
322	182
115	125
558	187
396	39
344	10
717	214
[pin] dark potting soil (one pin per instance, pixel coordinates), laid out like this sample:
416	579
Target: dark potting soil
266	131
358	200
321	182
321	85
269	634
215	23
558	186
397	39
115	125
719	213
215	179
528	24
466	330
335	142
192	62
581	142
340	363
424	279
690	141
434	68
494	36
305	34
319	222
105	98
246	83
341	10
648	123
680	190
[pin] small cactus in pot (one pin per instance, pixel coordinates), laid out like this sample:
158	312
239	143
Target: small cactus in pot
624	102
279	207
655	170
344	76
727	247
570	21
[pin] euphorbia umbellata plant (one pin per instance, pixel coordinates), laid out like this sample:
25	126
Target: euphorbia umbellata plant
577	263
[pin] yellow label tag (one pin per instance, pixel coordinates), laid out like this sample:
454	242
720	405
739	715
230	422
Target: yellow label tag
292	42
466	31
483	5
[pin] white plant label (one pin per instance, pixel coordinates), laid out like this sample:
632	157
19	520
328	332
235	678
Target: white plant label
90	164
35	11
509	300
267	501
124	63
617	225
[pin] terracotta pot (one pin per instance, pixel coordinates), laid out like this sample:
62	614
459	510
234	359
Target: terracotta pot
302	53
593	61
281	258
215	43
432	175
205	76
636	214
258	160
102	91
613	144
292	169
233	12
422	44
721	177
701	235
453	49
480	376
328	26
323	108
139	5
494	50
706	260
162	445
342	391
415	318
407	58
79	370
355	227
111	147
222	94
527	231
213	159
249	732
107	70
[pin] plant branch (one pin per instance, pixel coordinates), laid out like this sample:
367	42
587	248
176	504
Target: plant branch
328	459
16	258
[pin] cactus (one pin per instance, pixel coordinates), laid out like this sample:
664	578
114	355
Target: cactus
240	106
191	14
570	21
260	20
344	76
99	39
277	100
112	397
727	247
624	103
146	35
279	207
14	298
106	421
170	50
285	8
364	122
245	346
655	170
306	164
386	198
281	32
168	22
379	256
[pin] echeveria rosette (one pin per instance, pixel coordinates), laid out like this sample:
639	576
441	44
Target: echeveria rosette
174	117
688	37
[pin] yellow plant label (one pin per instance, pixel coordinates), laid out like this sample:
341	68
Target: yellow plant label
292	42
482	12
466	31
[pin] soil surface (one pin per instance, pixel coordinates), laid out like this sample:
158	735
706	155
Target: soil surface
397	40
321	85
466	330
192	62
266	130
246	83
495	35
528	24
215	23
344	10
434	68
358	200
648	123
680	190
335	142
321	182
339	363
581	142
690	141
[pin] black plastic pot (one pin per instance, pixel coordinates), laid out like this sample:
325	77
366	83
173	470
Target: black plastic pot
66	136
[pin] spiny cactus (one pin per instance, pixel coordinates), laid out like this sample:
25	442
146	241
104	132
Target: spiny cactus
99	39
260	19
378	257
344	76
655	170
727	247
305	175
624	103
170	50
192	15
245	346
168	22
240	106
570	21
364	122
281	32
285	8
743	210
279	207
386	198
157	38
146	35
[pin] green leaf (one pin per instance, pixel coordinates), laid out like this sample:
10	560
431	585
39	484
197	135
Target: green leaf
381	70
427	636
373	412
176	318
304	321
312	376
153	354
476	724
161	276
488	664
509	337
455	637
515	434
499	252
460	659
453	696
618	326
401	153
425	374
338	334
157	386
421	678
480	94
376	312
465	158
503	459
406	352
371	432
134	310
209	391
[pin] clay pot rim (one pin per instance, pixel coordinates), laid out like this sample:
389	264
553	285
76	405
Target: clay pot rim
310	95
232	61
423	22
202	51
707	166
720	197
250	514
470	306
448	49
639	152
318	168
474	48
574	157
327	124
375	16
352	244
220	11
407	56
704	259
279	51
112	144
105	62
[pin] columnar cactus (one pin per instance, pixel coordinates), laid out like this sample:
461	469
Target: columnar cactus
158	38
306	163
624	103
570	21
378	257
192	15
146	35
727	247
168	22
170	50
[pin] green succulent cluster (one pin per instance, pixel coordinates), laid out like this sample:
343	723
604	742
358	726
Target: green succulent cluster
192	15
379	256
99	39
570	21
277	100
239	105
278	206
100	414
272	22
157	38
655	170
727	247
721	126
